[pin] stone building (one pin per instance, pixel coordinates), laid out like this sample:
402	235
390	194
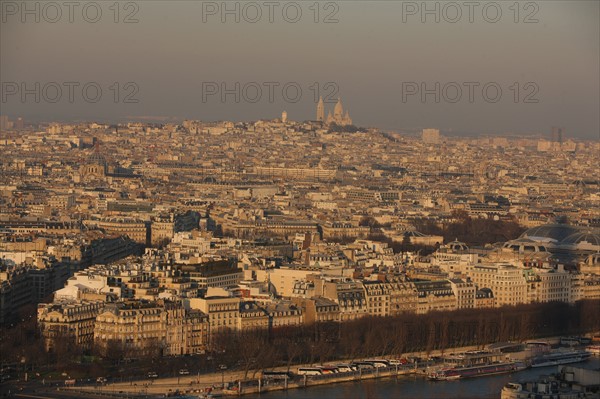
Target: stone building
318	309
146	328
68	320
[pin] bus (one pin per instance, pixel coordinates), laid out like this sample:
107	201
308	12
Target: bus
310	371
276	375
363	365
378	362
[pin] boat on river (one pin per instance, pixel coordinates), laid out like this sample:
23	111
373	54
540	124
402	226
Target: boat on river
558	358
482	370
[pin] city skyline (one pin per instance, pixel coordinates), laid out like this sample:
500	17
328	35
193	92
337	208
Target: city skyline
551	134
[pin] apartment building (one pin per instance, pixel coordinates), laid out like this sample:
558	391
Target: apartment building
215	273
347	293
506	282
436	295
68	320
223	311
137	230
318	309
147	328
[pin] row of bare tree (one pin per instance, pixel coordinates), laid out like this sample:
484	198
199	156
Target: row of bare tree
253	350
471	230
394	336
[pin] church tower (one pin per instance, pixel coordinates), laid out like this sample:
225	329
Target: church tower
330	119
347	120
338	112
320	110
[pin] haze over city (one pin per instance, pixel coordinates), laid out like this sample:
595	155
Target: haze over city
367	49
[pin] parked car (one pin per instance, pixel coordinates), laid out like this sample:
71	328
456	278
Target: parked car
152	374
184	372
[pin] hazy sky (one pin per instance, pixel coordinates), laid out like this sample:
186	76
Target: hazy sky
375	55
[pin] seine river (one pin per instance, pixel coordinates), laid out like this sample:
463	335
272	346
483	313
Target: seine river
411	387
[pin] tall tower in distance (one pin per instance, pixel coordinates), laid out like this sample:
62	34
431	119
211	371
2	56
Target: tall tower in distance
557	134
20	123
431	136
320	110
3	122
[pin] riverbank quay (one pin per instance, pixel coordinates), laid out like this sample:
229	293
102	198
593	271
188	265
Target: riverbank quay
240	384
237	382
239	387
302	382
